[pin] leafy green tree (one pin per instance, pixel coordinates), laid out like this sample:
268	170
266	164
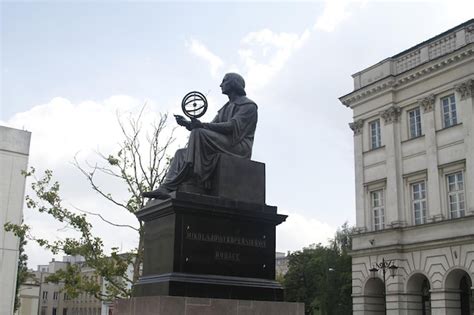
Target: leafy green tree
140	169
320	276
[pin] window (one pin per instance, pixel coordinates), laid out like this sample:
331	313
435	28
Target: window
414	119
375	138
448	106
43	310
45	295
456	204
377	201
54	311
55	295
418	201
64	311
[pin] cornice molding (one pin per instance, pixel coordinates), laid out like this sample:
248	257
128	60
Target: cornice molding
427	103
357	126
466	89
395	81
391	115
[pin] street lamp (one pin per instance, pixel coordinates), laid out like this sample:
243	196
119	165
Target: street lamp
384	266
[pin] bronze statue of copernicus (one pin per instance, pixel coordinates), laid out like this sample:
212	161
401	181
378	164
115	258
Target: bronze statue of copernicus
230	132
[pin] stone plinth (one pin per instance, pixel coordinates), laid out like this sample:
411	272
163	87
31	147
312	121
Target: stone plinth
213	247
171	305
234	178
239	179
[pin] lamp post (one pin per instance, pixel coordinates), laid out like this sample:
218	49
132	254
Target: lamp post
384	266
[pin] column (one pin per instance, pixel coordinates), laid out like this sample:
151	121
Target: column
466	107
394	193
357	127
433	186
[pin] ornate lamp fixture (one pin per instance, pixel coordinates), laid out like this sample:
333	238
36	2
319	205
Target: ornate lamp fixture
384	266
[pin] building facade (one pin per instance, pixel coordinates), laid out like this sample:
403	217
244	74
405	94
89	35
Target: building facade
29	294
51	298
414	169
14	151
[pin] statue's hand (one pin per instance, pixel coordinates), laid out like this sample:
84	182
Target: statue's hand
180	120
196	123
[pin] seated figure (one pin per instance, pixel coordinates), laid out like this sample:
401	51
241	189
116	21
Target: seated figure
230	132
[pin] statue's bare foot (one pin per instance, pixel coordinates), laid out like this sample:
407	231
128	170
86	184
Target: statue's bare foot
159	193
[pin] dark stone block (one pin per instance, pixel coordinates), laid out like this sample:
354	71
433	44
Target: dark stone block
235	179
205	246
239	179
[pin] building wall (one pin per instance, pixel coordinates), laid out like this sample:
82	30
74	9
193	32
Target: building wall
51	300
14	150
29	299
85	304
437	252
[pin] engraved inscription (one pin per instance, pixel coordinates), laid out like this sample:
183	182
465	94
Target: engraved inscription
226	239
227	256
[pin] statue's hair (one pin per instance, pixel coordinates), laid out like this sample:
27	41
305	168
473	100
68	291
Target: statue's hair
237	83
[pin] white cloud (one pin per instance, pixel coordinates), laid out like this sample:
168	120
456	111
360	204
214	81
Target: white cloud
299	231
264	53
334	13
200	50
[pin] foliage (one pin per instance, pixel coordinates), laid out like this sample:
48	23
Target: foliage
140	169
22	273
320	276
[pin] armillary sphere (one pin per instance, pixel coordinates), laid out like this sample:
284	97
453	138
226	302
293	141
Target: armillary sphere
194	104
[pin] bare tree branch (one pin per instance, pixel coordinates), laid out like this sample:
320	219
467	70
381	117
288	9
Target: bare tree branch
105	220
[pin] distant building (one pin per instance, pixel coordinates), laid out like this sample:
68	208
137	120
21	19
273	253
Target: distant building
85	304
281	264
414	169
29	293
51	300
54	301
14	151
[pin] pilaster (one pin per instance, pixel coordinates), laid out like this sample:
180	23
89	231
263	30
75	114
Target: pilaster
357	127
433	191
394	216
445	302
465	91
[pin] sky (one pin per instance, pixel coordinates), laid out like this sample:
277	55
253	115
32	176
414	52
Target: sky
70	68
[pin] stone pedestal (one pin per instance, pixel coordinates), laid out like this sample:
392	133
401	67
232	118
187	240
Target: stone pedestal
205	246
211	253
213	246
167	305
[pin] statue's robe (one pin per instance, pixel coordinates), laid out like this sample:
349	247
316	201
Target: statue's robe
231	132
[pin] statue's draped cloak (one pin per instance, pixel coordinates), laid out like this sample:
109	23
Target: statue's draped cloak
231	132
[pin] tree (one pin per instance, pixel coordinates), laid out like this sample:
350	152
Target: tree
139	169
320	276
22	272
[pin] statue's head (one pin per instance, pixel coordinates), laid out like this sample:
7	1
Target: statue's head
233	82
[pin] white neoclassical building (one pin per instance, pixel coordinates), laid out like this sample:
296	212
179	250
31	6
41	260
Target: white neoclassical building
414	169
14	150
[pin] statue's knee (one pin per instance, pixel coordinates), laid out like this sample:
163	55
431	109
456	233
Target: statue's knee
197	131
179	153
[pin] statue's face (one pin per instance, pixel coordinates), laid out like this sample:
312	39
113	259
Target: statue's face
226	85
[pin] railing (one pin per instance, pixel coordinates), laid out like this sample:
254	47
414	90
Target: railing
428	51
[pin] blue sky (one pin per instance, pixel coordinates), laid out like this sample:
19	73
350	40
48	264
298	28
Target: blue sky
67	68
94	50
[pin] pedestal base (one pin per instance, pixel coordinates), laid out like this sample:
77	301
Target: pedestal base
196	285
166	305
